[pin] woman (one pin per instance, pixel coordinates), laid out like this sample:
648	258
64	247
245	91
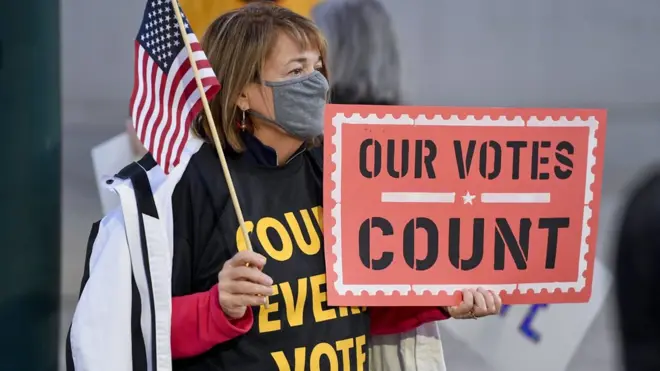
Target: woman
364	60
269	114
638	277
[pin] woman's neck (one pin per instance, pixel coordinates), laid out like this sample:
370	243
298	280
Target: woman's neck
284	145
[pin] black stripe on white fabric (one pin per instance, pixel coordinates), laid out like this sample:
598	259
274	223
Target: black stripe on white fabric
70	366
138	349
137	173
146	163
146	206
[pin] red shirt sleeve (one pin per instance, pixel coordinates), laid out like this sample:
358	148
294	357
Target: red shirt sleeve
394	320
199	324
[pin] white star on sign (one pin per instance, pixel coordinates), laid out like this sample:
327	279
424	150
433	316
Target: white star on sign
468	198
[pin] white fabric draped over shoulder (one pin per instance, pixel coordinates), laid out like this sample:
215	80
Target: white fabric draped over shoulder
101	335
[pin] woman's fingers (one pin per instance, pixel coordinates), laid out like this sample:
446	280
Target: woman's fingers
251	300
249	288
489	302
498	302
477	303
249	258
252	274
480	308
465	307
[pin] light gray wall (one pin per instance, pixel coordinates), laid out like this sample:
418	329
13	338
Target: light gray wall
530	52
97	58
505	52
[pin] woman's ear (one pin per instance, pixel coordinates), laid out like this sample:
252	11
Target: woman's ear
243	102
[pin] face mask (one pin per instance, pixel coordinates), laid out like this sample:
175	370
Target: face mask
299	105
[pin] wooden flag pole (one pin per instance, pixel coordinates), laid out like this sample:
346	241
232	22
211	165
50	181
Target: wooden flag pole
214	130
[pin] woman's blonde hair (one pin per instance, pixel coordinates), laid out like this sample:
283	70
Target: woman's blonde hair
237	45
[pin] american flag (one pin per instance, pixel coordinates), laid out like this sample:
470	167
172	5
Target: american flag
165	97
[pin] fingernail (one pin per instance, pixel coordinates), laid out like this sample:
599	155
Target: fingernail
269	281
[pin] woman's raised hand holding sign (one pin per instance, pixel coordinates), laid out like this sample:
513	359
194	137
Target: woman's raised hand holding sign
476	303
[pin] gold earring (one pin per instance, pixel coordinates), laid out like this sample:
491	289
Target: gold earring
243	126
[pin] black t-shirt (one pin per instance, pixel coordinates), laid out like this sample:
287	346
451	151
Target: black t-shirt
282	208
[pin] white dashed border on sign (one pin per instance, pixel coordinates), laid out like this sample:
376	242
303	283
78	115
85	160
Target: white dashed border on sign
340	119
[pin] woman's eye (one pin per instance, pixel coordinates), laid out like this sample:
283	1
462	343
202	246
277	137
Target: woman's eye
296	72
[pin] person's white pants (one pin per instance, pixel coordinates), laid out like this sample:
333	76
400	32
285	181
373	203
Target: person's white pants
416	350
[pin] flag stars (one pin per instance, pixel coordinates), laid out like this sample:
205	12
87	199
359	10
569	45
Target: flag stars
161	34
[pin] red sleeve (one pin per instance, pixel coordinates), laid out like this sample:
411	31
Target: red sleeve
199	324
394	320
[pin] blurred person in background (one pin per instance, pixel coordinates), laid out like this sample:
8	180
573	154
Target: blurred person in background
637	276
363	58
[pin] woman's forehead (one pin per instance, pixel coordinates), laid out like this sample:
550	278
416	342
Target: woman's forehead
288	49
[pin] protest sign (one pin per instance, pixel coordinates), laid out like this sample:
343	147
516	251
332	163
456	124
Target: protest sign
421	202
108	158
544	335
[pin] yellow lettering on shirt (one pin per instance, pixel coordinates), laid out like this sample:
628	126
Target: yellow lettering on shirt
295	305
266	323
294	300
298	234
314	245
336	354
286	251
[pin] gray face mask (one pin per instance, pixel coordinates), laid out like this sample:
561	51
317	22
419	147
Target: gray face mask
299	105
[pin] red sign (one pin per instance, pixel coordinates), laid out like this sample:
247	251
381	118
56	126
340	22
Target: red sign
422	202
